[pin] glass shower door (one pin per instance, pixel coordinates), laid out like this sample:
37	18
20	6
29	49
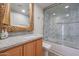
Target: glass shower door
61	24
71	27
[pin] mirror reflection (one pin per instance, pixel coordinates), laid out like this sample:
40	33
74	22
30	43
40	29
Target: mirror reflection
19	14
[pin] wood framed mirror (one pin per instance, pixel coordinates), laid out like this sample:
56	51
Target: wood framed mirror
19	17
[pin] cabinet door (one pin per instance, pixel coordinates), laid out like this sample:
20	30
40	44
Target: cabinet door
39	48
29	49
17	51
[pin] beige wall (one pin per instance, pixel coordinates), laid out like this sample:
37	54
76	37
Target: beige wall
38	20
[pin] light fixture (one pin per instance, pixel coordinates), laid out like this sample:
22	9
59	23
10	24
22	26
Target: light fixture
67	6
54	13
67	15
23	11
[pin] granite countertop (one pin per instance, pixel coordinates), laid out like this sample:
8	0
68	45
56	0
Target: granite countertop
17	40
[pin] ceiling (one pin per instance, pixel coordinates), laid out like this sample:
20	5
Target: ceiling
44	5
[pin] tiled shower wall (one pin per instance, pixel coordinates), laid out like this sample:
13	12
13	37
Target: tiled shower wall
61	24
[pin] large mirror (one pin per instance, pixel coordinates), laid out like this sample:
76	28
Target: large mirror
21	17
19	14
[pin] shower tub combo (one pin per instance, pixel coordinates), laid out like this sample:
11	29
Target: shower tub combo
61	29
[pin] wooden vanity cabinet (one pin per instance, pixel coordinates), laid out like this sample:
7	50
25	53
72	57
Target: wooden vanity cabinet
17	51
39	48
29	49
32	48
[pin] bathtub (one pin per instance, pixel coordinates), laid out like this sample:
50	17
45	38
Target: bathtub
60	50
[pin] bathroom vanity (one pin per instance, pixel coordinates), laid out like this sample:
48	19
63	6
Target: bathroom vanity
18	17
22	46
